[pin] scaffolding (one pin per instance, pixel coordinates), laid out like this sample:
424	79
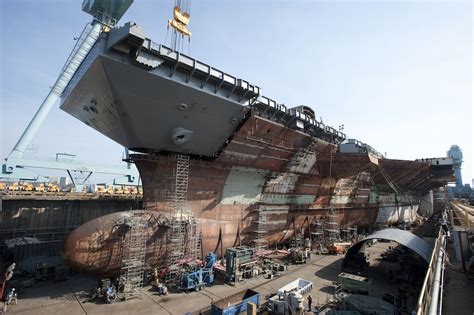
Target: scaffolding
133	255
349	234
177	187
332	229
261	229
317	236
184	236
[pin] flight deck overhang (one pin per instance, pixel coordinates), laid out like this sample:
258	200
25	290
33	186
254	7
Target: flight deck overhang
150	99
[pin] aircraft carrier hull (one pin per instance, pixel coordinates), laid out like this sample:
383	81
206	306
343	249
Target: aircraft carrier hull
228	195
257	172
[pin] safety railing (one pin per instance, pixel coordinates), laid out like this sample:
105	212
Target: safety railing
428	290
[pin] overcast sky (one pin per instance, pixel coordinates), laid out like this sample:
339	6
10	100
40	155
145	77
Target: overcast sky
397	74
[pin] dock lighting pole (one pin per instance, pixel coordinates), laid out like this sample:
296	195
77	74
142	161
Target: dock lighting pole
106	13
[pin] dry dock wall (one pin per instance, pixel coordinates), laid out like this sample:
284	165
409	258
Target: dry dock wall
40	214
51	220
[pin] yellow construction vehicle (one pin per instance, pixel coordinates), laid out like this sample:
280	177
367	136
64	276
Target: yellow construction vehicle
131	190
119	190
14	187
40	188
53	188
27	187
110	190
101	189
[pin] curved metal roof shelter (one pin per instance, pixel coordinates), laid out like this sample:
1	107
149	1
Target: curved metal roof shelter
410	240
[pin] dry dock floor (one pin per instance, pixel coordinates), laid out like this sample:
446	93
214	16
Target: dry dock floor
66	297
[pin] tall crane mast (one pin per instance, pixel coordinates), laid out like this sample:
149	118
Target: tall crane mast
105	15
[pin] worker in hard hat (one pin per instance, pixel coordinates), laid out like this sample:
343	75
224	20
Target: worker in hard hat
310	301
11	296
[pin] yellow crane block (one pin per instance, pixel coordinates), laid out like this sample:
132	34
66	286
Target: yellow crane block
181	28
181	17
180	22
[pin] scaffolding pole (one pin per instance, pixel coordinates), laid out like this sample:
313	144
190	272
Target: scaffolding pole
133	255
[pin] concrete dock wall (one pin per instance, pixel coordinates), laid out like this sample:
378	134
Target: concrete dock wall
51	220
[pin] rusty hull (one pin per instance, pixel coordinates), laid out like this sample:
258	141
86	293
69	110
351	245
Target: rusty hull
264	166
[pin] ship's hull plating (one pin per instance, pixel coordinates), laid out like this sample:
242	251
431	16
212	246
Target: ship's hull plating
255	173
250	156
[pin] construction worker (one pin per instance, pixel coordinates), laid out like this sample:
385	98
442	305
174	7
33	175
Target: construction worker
310	301
109	294
11	296
162	289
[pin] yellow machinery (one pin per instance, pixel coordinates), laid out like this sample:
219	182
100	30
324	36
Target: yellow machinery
3	186
101	189
27	187
53	188
110	190
14	187
132	190
40	188
119	190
